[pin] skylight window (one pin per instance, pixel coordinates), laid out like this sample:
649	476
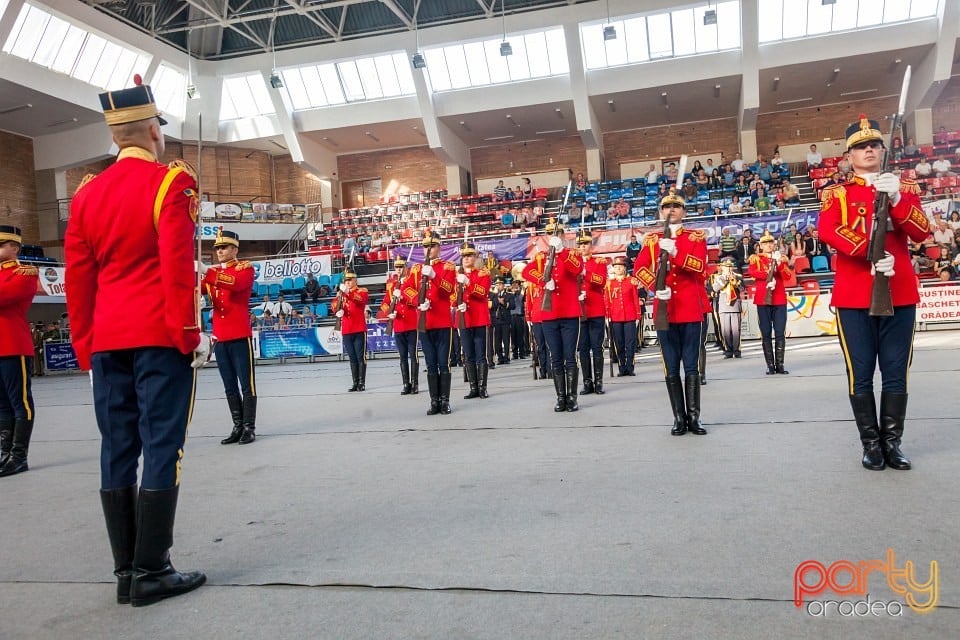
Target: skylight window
385	76
170	91
245	97
53	43
786	19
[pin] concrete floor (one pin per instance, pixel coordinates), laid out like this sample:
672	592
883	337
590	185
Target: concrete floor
357	516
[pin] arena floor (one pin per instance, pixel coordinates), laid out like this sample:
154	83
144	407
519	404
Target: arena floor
357	516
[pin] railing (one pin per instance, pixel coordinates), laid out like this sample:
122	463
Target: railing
303	233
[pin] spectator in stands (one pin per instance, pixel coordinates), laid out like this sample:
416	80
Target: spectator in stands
729	177
311	289
309	317
741	187
586	214
747	203
941	167
703	180
653	175
672	172
517	193
954	221
716	180
728	244
789	235
919	258
778	200
620	208
943	234
282	308
266	305
941	137
662	190
709	167
735	206
689	190
526	188
529	217
363	243
633	250
600	214
764	171
500	191
701	211
267	321
295	321
923	168
580	183
762	201
696	168
943	265
791	194
254	321
814	159
776	160
844	165
744	250
349	246
575	215
814	245
738	165
798	245
911	150
896	148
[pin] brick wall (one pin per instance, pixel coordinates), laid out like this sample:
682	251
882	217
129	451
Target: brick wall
76	174
815	124
529	157
18	188
412	169
668	141
293	184
946	110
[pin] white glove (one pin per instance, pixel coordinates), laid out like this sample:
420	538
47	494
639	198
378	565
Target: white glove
396	294
889	184
463	279
392	316
772	285
555	242
664	294
582	296
669	245
884	265
339	313
462	307
550	286
424	306
202	351
776	256
428	271
344	287
202	268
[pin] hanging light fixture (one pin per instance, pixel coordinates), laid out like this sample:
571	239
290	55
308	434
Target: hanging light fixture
505	48
609	31
418	61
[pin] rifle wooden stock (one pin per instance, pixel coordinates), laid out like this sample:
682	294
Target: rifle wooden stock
661	320
422	293
583	308
390	310
768	296
547	304
881	303
338	323
461	290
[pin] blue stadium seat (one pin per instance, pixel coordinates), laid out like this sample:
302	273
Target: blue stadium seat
820	264
323	280
322	310
258	312
261	290
298	283
336	279
273	290
287	285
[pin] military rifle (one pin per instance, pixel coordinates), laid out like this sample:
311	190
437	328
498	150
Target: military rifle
338	323
661	320
393	301
552	254
422	293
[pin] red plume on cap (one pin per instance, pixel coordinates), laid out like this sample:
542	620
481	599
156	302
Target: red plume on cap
137	80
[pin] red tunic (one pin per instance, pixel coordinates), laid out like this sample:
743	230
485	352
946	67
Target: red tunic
567	266
406	319
18	285
439	292
229	288
475	295
846	220
622	299
533	300
686	276
594	280
759	268
354	310
129	250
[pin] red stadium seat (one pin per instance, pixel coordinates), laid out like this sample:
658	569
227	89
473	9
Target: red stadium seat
801	264
811	287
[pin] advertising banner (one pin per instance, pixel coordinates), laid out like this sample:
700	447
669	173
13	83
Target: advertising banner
51	281
274	271
59	356
939	304
319	341
502	249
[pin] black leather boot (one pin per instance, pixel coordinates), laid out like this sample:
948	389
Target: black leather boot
120	514
354	375
362	382
778	355
482	372
587	377
893	412
249	420
597	376
768	356
572	389
433	383
560	384
471	371
445	393
17	462
405	374
865	414
6	439
675	393
415	378
236	413
692	389
154	577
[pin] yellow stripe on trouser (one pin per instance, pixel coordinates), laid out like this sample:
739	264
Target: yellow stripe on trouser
449	346
576	352
846	353
253	384
23	382
193	395
363	357
906	375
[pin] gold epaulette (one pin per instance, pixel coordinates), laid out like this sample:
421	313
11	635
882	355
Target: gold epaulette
449	266
697	235
484	271
651	239
26	270
602	260
909	186
244	264
180	163
830	192
86	179
754	259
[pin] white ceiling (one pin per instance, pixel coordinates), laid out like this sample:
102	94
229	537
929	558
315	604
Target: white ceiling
494	127
685	102
382	135
46	115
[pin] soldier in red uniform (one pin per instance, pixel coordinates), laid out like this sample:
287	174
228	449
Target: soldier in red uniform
129	245
622	300
772	317
438	278
593	319
228	285
684	296
404	318
533	301
351	308
18	285
846	220
561	323
475	284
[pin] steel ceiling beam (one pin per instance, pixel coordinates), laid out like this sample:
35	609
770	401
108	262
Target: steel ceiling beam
397	11
314	16
222	22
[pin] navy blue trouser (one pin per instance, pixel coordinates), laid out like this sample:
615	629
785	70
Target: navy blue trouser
868	341
355	346
562	336
16	398
772	317
680	343
143	399
407	347
436	349
474	340
543	352
591	338
624	336
235	362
